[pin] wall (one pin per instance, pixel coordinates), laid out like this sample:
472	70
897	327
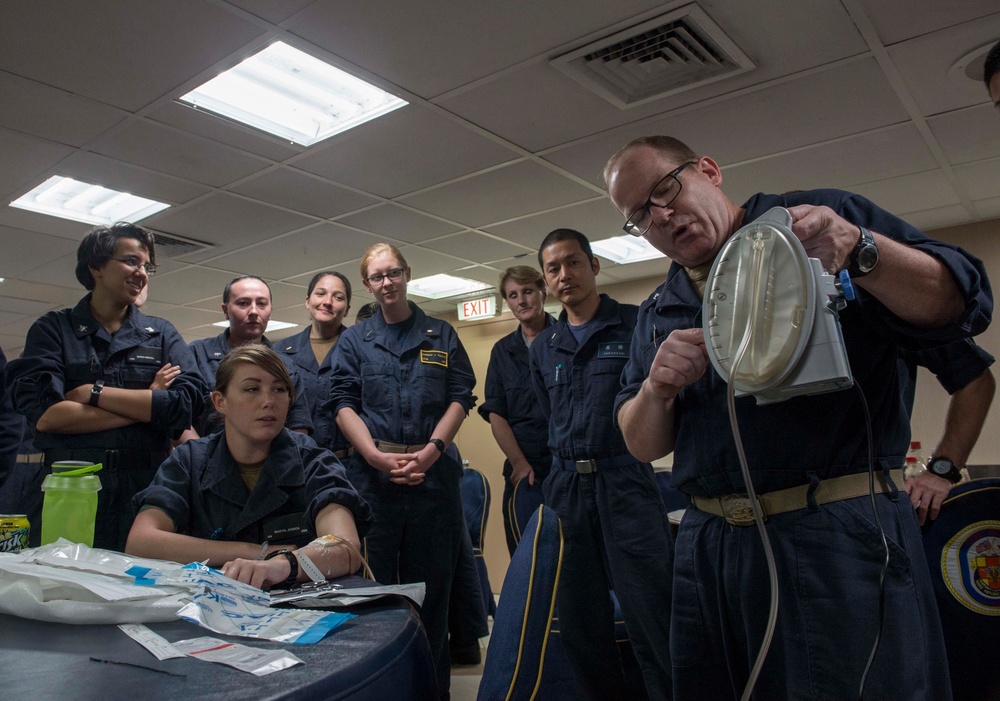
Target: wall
477	444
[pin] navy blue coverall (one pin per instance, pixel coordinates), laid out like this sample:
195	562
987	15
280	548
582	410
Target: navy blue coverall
209	352
401	396
615	525
69	348
316	380
509	395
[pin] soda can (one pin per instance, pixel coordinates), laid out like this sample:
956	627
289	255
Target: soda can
13	532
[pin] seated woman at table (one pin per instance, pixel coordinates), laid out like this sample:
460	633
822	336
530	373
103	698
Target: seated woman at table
221	497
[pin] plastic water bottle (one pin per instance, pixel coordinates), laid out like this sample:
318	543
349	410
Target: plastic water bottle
918	464
70	506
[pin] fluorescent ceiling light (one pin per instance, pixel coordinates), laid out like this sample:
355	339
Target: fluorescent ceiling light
92	204
441	286
626	249
272	325
291	94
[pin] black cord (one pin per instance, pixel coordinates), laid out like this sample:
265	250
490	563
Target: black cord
881	532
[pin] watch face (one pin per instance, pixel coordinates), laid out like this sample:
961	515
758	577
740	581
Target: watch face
867	258
942	466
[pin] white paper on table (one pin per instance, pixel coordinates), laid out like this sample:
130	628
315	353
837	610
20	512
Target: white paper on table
104	587
330	597
156	644
242	657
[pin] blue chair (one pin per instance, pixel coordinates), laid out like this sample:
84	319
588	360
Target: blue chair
523	504
476	507
518	653
962	546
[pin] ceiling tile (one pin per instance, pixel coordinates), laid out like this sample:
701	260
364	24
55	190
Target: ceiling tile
789	115
500	194
227	221
25	250
380	156
275	12
25	160
190	284
925	64
296	190
897	20
911	193
980	179
101	170
42	223
224	131
60	271
424	263
318	248
929	219
133	55
457	41
474	246
879	155
967	135
284	295
49	113
538	107
398	223
167	150
597	220
23	307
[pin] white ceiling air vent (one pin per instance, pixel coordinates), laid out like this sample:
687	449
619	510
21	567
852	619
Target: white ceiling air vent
173	246
673	52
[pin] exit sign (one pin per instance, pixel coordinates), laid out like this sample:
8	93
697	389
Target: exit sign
481	308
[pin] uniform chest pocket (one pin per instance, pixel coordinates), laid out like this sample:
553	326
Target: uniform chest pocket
137	376
378	386
604	383
80	374
432	383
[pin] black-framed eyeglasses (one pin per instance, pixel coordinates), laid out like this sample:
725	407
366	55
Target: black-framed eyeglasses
135	263
662	195
395	275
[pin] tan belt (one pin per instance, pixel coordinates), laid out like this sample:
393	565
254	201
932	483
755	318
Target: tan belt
736	509
343	453
390	447
31	457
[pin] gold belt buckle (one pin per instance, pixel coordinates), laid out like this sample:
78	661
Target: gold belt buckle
586	467
737	509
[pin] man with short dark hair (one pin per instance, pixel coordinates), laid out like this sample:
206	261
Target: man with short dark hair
246	304
807	455
614	523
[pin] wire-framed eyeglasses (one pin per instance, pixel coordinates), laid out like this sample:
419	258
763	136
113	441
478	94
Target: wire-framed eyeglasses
662	195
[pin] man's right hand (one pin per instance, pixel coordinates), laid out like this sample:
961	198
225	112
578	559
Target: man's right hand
680	360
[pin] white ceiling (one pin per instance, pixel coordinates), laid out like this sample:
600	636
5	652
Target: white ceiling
496	148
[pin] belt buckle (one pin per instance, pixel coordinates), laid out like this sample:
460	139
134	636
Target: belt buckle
737	509
586	467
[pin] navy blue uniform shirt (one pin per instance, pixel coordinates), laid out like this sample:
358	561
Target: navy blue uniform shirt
10	428
200	489
823	434
955	365
576	383
509	393
209	352
69	348
401	394
317	379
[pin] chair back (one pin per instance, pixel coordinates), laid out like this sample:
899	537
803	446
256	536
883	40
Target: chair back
962	546
517	649
524	502
476	507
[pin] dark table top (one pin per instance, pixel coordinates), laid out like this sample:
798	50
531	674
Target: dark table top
381	654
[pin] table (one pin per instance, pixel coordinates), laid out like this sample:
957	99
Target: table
381	654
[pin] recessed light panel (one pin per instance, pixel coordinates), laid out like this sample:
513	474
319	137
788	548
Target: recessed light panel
288	93
442	286
92	204
626	249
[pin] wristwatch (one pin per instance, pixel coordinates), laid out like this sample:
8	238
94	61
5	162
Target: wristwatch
95	392
864	257
437	443
943	467
293	563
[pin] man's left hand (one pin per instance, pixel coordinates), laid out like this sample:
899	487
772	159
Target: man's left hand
825	235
